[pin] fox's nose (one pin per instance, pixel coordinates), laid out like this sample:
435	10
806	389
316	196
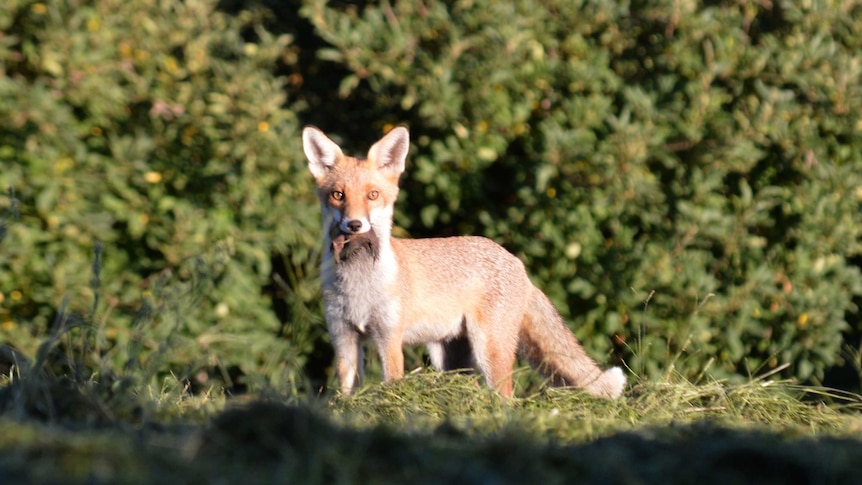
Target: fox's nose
354	226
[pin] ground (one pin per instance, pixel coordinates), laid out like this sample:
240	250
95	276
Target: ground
435	428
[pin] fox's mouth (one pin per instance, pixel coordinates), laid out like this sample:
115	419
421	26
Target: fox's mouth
348	246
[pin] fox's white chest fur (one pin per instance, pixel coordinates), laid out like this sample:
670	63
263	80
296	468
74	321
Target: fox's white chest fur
354	290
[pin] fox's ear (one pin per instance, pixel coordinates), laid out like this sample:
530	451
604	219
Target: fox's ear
390	152
322	153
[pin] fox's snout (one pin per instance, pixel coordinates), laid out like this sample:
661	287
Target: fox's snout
353	226
344	211
350	217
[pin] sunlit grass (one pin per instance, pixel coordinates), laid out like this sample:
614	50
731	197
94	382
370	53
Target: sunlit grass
423	401
426	427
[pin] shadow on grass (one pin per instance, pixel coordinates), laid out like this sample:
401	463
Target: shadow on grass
279	442
268	442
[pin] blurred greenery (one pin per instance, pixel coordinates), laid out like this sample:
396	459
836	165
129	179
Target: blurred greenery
157	130
682	178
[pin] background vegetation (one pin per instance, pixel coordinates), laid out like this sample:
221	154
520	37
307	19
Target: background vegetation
430	426
682	178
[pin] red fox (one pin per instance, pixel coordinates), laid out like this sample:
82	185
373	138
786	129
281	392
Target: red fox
466	298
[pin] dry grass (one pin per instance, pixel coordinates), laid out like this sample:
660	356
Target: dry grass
423	401
431	428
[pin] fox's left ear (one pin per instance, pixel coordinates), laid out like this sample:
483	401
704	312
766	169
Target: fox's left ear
322	153
390	152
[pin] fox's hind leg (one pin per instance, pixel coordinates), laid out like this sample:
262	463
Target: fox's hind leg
452	354
494	339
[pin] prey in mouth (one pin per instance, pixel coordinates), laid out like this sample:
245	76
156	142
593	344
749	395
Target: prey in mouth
349	246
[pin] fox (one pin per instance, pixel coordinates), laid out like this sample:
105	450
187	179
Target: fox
466	298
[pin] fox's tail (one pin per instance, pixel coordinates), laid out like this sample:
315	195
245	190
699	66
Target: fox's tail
555	352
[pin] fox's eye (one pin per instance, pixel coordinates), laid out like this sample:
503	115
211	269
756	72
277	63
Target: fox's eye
373	195
337	194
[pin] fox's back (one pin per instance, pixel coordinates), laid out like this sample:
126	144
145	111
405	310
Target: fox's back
456	260
446	279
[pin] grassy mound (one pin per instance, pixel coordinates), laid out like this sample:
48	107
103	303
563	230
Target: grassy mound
441	428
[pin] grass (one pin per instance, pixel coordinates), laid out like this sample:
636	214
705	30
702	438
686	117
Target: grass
439	428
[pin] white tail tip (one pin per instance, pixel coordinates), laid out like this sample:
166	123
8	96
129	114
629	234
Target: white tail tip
609	385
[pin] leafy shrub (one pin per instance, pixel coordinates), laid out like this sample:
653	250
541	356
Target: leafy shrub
681	179
158	130
684	178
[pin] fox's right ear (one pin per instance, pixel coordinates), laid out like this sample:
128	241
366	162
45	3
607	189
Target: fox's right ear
390	152
322	153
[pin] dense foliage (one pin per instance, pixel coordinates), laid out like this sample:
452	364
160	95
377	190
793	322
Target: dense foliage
682	178
157	130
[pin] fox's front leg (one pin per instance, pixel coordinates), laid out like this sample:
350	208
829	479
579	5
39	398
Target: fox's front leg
391	356
349	360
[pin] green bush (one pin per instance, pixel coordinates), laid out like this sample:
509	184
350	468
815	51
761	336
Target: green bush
158	130
681	178
684	177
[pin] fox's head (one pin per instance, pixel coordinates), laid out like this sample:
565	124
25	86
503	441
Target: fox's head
357	195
